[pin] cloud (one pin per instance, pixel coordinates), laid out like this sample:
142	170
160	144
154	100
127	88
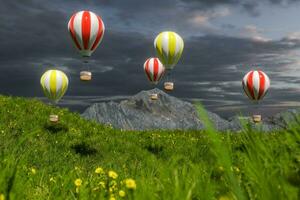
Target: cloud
199	20
251	31
293	36
252	7
211	67
203	18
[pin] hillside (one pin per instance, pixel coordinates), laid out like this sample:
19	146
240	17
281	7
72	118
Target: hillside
43	161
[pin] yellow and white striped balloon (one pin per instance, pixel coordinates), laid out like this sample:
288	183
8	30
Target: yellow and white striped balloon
54	84
169	47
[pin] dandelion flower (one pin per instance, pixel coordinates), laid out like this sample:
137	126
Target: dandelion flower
33	170
78	182
130	184
112	174
99	170
2	197
122	193
228	196
221	168
237	169
224	198
112	197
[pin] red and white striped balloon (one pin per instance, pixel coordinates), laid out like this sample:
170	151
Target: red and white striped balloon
154	70
256	85
87	30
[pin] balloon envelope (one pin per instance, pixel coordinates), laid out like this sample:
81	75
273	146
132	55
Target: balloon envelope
169	47
256	85
86	30
54	84
154	70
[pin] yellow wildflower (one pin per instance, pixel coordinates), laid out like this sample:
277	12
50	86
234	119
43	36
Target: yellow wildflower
112	174
112	198
130	184
78	182
102	184
99	170
228	196
33	170
2	197
221	169
122	193
224	198
237	169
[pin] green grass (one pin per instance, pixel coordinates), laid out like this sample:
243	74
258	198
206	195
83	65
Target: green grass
41	161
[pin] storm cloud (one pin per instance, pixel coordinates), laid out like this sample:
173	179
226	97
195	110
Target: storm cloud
34	38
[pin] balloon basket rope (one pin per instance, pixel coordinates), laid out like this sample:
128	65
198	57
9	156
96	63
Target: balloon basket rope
169	86
53	118
85	75
154	96
256	118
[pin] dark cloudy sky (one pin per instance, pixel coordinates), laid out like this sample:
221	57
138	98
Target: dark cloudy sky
224	39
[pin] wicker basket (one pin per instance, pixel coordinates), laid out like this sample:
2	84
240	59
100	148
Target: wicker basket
256	118
53	118
85	76
154	96
169	86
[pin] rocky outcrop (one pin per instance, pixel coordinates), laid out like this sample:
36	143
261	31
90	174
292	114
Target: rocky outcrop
285	119
141	113
238	123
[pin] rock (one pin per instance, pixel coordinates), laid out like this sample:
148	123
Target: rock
284	119
141	113
238	123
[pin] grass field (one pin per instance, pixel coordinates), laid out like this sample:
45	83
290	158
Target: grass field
77	159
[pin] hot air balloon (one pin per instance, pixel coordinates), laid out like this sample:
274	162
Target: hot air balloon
256	85
54	84
154	70
169	46
87	31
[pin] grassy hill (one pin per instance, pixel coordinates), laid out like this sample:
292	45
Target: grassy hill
77	159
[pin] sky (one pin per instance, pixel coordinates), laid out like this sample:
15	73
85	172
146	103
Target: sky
224	39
